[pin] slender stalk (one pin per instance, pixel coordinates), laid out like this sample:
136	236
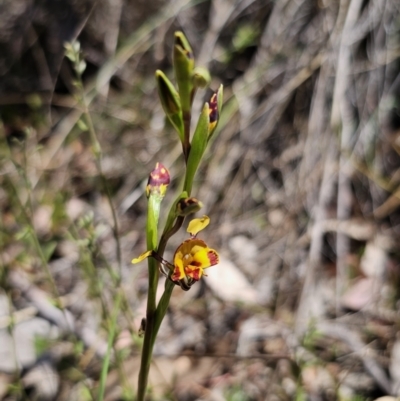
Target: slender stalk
75	57
169	285
193	152
162	307
36	243
148	341
97	153
111	337
155	313
187	117
153	213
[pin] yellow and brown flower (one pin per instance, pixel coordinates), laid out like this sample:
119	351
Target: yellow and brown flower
191	259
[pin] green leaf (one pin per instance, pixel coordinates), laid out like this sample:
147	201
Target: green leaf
198	147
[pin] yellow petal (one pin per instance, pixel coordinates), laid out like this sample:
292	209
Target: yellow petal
196	225
179	271
143	256
205	258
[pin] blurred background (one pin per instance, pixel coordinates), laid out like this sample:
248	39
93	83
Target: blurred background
302	184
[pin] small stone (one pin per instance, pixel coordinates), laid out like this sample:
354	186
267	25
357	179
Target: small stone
42	220
24	334
289	386
317	379
244	247
276	217
374	260
44	379
229	283
359	294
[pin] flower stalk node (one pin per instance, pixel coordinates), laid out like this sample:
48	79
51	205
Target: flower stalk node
142	328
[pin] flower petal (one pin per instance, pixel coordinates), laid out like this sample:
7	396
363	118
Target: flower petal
194	272
188	248
179	271
196	225
213	257
141	257
190	260
205	258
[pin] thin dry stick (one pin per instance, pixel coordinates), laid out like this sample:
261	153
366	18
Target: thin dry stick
112	33
342	117
304	311
277	102
63	319
353	340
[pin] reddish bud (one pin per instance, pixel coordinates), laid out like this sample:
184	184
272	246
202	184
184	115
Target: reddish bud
158	182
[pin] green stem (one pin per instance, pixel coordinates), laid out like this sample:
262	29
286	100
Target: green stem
186	134
97	154
153	213
27	212
163	307
156	313
111	337
169	285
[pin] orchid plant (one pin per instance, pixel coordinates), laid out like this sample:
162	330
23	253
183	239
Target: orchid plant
193	256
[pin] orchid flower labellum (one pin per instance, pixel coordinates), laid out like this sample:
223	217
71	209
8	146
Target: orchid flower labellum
191	258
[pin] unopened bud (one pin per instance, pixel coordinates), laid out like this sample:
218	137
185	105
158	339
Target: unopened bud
201	77
183	43
158	182
188	206
170	102
183	66
215	105
213	112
